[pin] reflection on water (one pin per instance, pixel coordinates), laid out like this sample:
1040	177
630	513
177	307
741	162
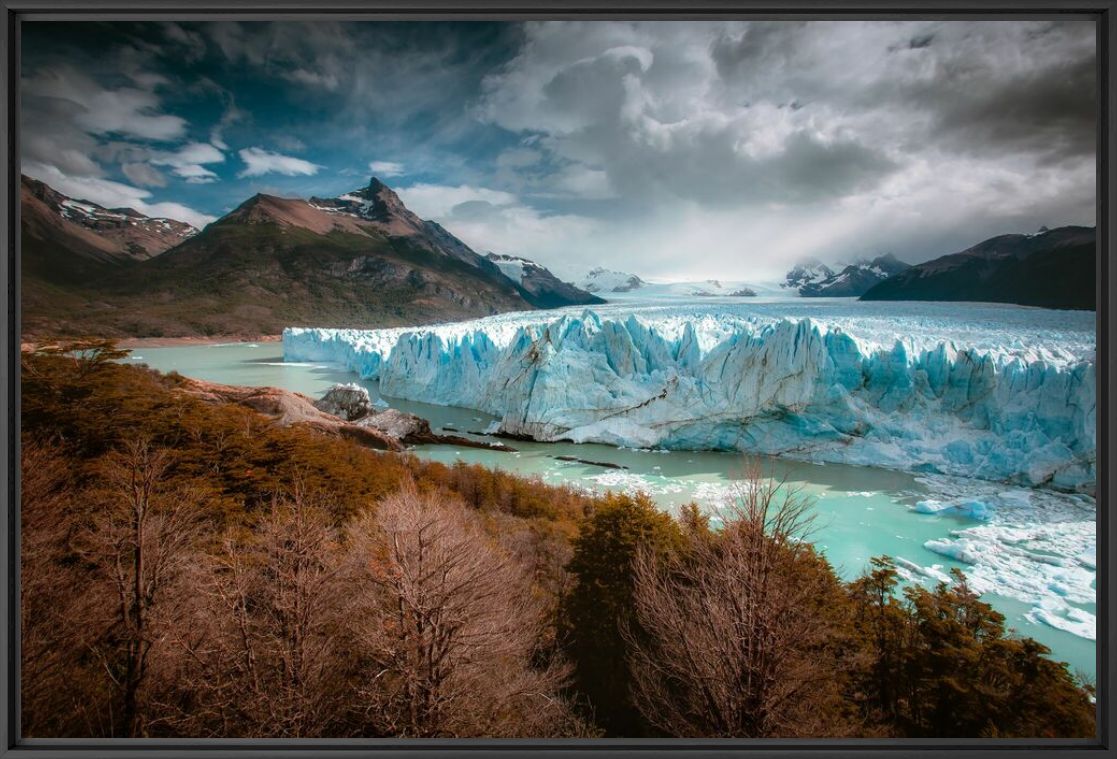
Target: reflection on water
861	512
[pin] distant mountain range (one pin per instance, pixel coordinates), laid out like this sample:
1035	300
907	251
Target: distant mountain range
1053	268
814	279
359	260
364	260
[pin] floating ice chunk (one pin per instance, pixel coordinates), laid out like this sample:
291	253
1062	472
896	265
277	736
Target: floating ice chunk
930	506
933	572
1063	617
972	508
959	550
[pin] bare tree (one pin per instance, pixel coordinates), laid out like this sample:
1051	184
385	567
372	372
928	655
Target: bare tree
144	533
452	628
735	636
267	654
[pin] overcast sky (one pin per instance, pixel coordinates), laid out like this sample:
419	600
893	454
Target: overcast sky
673	150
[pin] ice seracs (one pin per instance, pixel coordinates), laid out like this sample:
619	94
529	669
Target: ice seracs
986	392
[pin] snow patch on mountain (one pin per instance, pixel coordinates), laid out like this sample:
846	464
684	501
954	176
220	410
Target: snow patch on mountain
515	267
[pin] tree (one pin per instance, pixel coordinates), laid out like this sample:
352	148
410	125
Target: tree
268	653
742	635
884	625
144	532
943	665
600	602
452	628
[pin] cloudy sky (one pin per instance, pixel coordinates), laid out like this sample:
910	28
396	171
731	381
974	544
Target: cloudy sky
669	149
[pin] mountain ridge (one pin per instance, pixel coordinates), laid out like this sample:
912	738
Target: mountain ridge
1053	268
362	259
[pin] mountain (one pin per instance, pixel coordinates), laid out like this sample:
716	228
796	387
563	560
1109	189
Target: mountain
361	259
541	288
807	272
856	278
65	244
814	279
601	280
1052	268
93	231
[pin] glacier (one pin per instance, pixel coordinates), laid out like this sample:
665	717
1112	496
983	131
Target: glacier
986	391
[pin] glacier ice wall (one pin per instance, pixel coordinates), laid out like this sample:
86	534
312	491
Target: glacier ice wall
837	390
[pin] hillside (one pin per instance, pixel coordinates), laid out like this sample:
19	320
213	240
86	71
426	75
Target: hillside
1052	268
360	260
542	288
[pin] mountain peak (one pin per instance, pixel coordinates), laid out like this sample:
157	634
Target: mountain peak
602	280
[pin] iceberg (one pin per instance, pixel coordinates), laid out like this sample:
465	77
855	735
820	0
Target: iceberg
990	392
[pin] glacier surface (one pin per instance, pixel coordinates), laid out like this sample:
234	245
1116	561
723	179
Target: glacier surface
994	392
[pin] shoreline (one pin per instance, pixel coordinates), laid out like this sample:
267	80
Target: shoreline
170	342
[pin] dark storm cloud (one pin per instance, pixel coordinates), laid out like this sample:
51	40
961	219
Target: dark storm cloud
626	143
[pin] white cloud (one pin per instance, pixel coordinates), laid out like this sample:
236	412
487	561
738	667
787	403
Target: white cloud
259	162
126	111
112	194
498	221
386	168
433	201
326	80
188	162
144	174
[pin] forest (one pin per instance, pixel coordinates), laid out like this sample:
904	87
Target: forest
194	569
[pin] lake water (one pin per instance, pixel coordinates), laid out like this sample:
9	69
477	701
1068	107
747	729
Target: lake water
1032	563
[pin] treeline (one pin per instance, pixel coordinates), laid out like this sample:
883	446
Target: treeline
193	569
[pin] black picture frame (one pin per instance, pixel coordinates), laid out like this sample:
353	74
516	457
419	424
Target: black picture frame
17	11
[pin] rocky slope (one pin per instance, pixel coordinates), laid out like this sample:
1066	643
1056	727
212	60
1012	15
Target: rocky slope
543	289
1053	268
362	259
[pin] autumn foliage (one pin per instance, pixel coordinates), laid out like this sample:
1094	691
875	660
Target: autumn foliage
194	569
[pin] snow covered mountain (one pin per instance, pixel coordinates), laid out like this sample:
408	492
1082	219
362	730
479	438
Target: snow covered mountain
952	390
544	289
808	272
601	280
814	279
688	291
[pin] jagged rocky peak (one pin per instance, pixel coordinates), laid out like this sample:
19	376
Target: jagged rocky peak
375	202
807	271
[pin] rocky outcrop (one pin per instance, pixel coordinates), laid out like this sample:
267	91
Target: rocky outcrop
345	411
349	402
290	409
